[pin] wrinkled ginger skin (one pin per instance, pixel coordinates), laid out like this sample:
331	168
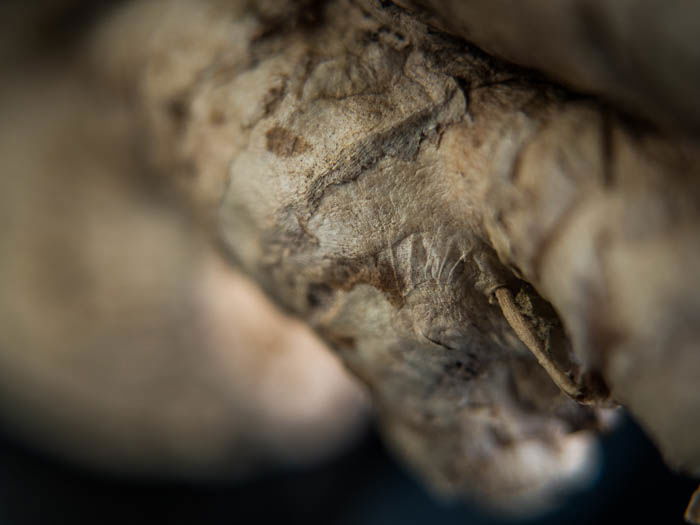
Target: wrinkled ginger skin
640	54
381	180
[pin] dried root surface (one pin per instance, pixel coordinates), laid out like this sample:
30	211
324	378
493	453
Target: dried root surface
383	180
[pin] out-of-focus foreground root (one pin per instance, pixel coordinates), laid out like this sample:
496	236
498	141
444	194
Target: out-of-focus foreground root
125	341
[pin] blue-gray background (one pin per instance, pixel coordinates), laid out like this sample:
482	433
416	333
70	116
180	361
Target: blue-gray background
365	486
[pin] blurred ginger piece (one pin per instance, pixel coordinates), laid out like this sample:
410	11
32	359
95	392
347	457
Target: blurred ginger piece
124	340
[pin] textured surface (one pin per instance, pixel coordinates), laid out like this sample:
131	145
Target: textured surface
341	205
639	54
381	179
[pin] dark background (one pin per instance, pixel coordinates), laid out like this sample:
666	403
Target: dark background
364	486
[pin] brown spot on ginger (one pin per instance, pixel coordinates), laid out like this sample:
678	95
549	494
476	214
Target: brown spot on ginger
284	143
